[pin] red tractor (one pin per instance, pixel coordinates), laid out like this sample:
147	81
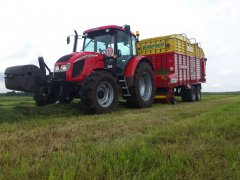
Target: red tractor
108	66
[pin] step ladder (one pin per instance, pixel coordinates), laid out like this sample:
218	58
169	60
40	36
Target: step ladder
123	84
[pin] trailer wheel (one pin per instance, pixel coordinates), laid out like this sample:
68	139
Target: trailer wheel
184	95
173	101
143	89
99	92
198	94
189	95
192	95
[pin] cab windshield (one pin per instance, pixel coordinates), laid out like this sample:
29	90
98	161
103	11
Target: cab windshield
98	41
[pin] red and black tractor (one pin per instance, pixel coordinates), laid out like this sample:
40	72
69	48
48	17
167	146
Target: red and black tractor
105	68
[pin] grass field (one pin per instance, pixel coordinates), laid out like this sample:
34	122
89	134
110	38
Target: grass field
198	140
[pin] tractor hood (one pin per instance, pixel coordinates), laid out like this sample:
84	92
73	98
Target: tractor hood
76	66
70	58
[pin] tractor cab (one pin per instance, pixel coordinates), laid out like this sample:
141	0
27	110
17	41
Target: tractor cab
116	44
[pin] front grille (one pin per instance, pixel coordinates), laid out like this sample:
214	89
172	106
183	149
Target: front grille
65	58
60	75
77	68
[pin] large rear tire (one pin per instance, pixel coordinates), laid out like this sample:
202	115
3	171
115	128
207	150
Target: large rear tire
143	89
99	93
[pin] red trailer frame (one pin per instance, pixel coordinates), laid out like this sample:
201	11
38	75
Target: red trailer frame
174	71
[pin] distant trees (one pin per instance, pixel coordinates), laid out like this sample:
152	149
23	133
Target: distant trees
16	93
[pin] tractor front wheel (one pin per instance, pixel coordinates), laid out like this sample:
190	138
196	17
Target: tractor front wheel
99	92
44	96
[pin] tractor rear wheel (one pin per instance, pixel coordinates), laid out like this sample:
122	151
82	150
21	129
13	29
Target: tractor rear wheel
99	92
143	89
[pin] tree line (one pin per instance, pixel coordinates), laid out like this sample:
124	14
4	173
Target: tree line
16	93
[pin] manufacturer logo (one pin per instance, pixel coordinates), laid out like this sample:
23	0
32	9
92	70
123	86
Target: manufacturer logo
153	46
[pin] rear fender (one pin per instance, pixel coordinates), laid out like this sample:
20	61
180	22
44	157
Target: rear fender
132	65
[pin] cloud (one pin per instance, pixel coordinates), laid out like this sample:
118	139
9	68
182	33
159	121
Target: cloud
215	85
31	29
19	53
229	72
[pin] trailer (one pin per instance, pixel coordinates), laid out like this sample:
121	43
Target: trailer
112	63
179	66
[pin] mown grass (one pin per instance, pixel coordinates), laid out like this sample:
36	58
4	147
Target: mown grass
187	141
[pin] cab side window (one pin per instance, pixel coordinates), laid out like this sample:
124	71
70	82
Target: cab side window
123	44
134	46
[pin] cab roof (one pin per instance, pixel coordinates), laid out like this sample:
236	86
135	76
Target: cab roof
121	28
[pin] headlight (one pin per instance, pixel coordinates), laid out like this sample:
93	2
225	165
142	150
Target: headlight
56	68
61	68
65	67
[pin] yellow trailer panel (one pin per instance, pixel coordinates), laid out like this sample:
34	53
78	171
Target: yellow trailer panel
178	43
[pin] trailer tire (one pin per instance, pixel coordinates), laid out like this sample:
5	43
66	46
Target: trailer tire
143	89
184	95
189	95
198	94
99	93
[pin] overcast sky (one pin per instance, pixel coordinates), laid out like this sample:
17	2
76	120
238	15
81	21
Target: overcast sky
32	28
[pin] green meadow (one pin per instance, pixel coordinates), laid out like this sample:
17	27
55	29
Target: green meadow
199	140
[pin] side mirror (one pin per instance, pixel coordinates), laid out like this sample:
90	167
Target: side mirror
127	29
68	40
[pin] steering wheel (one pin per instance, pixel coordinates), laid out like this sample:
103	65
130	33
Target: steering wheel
102	51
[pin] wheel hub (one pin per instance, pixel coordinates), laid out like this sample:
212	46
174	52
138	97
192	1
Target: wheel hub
100	94
145	86
105	94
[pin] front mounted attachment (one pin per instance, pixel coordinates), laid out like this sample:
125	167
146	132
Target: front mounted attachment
28	78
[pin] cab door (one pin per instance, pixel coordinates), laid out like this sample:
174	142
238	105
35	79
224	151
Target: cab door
124	51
